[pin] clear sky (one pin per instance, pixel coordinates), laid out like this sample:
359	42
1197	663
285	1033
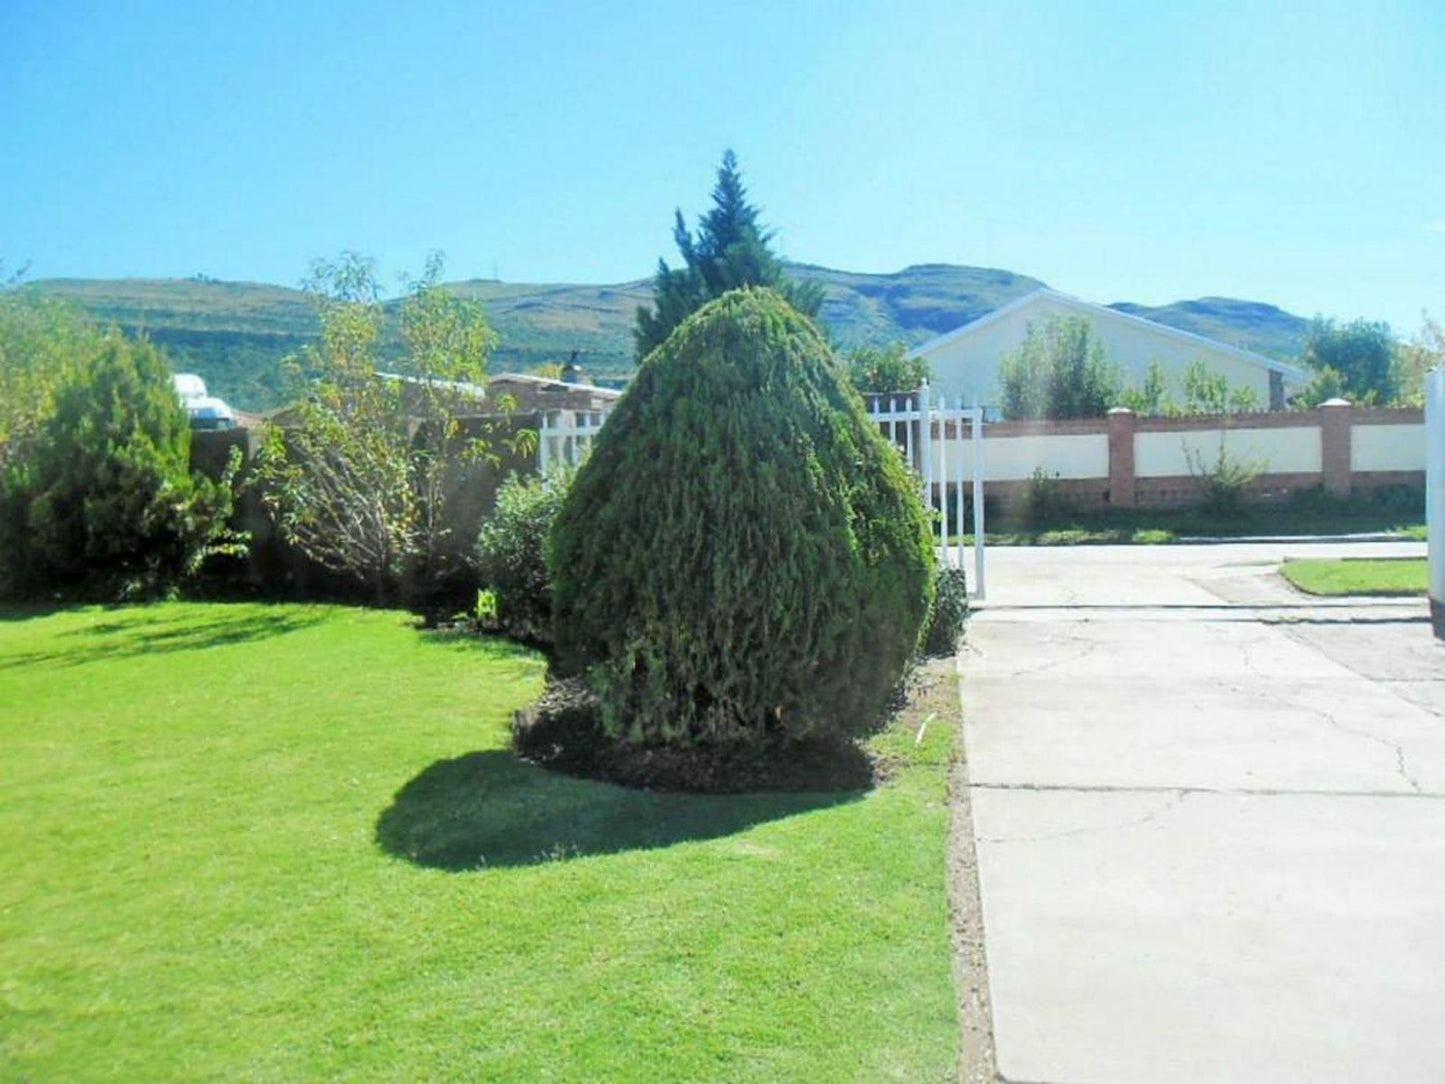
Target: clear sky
1292	153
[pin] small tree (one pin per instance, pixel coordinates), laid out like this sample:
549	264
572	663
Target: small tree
1059	371
731	249
742	558
104	504
885	368
358	478
1224	483
43	343
1414	359
1356	360
1207	391
1150	399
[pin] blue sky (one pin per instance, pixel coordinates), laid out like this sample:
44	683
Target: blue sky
1291	153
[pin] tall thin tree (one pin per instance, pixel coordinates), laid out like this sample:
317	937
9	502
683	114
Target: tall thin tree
731	249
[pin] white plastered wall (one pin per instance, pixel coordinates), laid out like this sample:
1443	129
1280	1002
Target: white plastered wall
1281	451
1014	459
1387	447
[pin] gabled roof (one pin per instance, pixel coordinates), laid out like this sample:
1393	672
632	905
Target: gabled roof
1088	308
475	391
479	391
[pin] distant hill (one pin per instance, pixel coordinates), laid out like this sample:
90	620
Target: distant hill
1251	325
236	334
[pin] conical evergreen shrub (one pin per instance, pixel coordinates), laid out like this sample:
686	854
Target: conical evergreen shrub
743	558
105	506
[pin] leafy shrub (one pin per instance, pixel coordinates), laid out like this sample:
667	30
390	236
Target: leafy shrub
742	559
1225	483
885	368
949	612
511	553
105	505
1059	371
42	342
1042	499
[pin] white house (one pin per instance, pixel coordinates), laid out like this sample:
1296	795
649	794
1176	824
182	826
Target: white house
965	362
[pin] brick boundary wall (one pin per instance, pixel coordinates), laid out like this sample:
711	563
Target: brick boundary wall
1336	424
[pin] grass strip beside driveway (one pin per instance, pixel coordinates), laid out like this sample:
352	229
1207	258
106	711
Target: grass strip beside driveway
1353	576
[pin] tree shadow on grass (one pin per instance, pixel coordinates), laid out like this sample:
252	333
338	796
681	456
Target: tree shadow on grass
129	632
490	809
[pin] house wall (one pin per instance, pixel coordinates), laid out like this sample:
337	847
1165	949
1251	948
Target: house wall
969	365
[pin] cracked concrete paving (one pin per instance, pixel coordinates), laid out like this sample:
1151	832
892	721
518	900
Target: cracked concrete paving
1209	816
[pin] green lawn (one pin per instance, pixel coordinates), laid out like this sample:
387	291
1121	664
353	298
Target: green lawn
1359	577
280	843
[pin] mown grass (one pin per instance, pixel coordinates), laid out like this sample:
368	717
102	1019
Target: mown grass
282	843
1352	576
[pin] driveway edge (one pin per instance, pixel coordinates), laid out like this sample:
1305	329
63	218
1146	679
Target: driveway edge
976	1062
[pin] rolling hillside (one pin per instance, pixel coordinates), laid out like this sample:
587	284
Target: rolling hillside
236	334
1262	328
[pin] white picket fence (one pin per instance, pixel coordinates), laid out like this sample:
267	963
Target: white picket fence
933	441
943	444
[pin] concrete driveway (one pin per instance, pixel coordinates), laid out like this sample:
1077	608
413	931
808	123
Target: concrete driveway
1209	815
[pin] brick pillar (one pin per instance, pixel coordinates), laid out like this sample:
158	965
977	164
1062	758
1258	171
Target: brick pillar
1335	446
1121	457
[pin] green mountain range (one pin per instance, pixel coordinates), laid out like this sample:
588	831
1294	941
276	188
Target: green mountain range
237	334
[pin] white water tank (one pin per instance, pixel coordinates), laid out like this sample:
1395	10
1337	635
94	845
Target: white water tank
189	387
206	411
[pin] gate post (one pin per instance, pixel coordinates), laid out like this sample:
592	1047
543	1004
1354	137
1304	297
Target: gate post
925	443
980	588
1435	493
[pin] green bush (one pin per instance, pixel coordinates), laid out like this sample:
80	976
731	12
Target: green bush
511	553
949	612
742	558
105	505
1224	483
1042	499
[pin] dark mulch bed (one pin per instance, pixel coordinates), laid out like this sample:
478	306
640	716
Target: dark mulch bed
561	731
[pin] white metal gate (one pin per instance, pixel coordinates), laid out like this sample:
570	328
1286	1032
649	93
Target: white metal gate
933	440
929	433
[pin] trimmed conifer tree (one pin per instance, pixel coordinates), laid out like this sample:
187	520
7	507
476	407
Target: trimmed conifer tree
743	558
105	506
